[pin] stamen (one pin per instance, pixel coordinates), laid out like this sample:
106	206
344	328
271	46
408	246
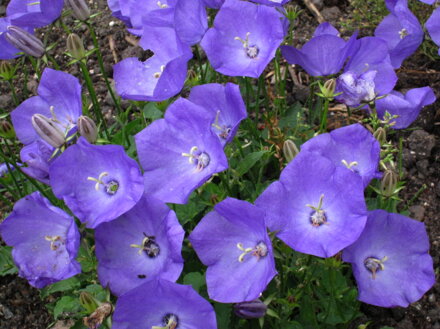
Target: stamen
53	241
191	154
171	321
260	250
349	165
98	180
318	217
244	42
215	124
374	265
158	74
148	245
403	33
162	5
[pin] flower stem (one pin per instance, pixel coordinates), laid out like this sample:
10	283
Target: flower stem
323	127
96	107
101	67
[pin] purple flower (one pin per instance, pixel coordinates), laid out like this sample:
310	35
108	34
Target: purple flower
45	241
190	21
233	242
163	304
390	260
37	156
180	152
406	107
316	207
352	147
97	182
324	54
244	38
433	27
401	30
159	77
372	55
356	89
216	4
115	7
59	98
142	244
277	3
225	106
34	13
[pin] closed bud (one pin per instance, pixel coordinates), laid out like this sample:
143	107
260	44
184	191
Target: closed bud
75	46
330	86
381	135
98	316
88	302
48	130
87	129
23	40
6	130
80	9
250	310
6	70
389	182
290	150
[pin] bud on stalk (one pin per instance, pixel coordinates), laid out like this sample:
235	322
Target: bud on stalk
290	150
87	128
47	130
80	9
381	135
24	41
250	310
6	130
75	46
389	182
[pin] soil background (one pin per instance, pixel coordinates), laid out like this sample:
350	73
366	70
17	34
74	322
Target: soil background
20	304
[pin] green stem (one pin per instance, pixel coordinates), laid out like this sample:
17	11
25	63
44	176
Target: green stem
101	67
53	61
35	66
14	94
323	126
96	107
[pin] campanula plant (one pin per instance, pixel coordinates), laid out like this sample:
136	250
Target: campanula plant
237	172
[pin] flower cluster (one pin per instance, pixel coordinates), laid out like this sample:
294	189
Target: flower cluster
316	207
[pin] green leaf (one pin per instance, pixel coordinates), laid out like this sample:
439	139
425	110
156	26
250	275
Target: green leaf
66	304
65	285
196	279
151	111
7	265
249	161
223	312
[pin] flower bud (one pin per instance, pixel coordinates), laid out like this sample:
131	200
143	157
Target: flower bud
250	310
381	135
24	41
6	70
6	130
330	86
75	46
98	316
389	182
290	150
87	129
80	9
47	130
88	302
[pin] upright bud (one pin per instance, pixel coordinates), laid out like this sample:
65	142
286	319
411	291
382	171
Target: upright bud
87	129
80	9
6	70
75	46
250	310
88	302
330	86
24	41
6	130
381	135
389	182
48	130
290	150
